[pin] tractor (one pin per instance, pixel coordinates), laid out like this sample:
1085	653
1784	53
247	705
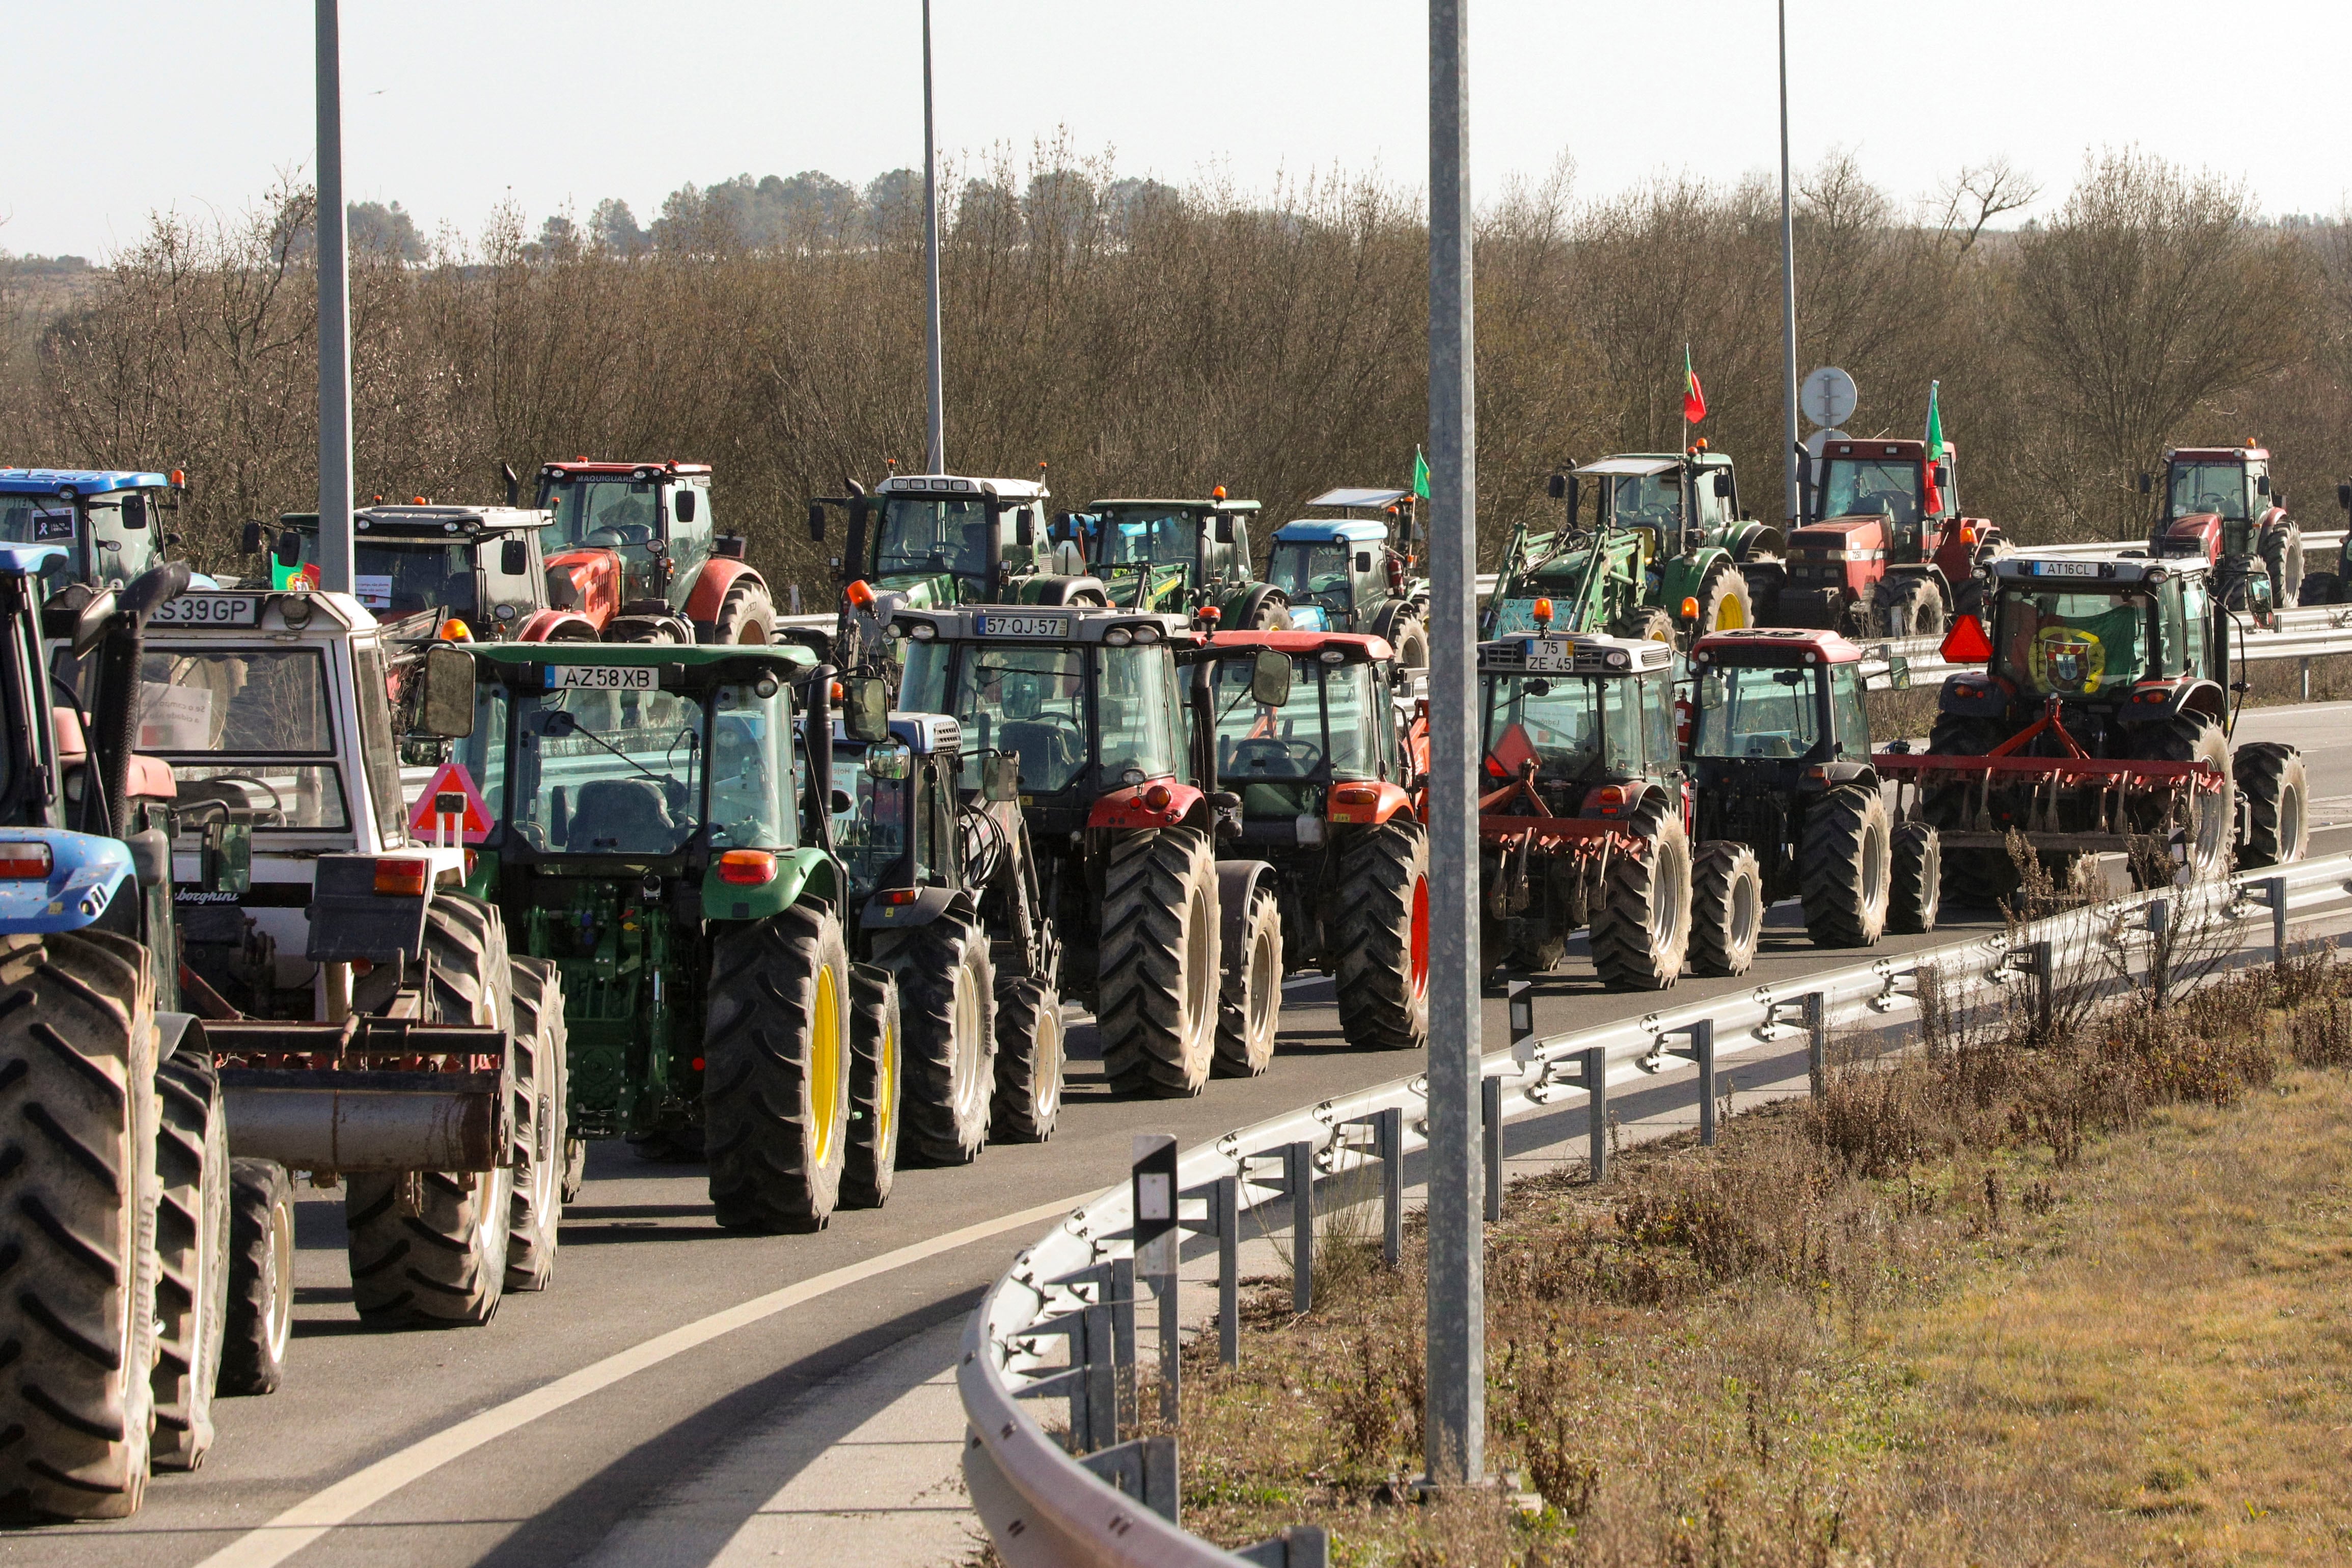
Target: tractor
1180	556
1667	554
2100	725
1882	549
1789	799
643	534
1584	820
1307	729
935	540
107	523
1087	702
472	573
1347	573
2220	507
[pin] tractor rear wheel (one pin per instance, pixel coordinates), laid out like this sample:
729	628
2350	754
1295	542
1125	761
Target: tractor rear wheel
946	1036
1270	614
1912	604
192	1243
1409	637
2282	554
776	1069
260	1278
2207	837
1724	604
871	1165
1380	933
2271	776
1029	1062
429	1247
1646	624
79	1115
1984	877
1726	908
1157	962
1918	880
1848	867
1249	992
746	615
540	1124
1641	933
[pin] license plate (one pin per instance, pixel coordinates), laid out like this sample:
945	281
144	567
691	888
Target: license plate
1554	656
1024	625
208	610
600	677
2065	569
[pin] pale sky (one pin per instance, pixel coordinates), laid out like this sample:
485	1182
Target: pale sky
117	108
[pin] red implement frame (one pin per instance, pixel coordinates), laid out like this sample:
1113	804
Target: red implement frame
1533	823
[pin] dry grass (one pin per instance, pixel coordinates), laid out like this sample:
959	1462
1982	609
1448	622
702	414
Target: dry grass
1990	1305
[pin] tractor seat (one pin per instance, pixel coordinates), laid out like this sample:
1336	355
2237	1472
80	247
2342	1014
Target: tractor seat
1046	762
622	816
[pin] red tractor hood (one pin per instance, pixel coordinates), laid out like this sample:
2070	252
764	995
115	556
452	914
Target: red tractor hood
1865	530
2197	535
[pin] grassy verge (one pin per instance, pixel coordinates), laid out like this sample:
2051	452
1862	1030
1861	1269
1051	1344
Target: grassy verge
1992	1304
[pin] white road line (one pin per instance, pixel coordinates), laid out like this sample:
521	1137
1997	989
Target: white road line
306	1521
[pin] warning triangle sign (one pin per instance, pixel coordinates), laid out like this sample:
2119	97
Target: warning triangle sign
451	779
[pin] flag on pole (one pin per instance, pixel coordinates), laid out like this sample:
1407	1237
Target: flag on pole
1420	474
1935	454
1694	400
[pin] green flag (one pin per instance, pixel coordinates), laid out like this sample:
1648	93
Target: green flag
1935	426
1420	474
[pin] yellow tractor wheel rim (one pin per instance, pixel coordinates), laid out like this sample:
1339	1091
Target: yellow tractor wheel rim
825	1064
886	1087
1727	615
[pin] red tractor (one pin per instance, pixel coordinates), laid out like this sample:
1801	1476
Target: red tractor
1882	549
640	536
2220	507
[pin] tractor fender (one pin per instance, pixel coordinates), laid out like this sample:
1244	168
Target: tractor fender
1834	774
1384	624
801	874
1680	576
87	875
928	905
707	596
1364	802
1973	696
1240	606
1063	589
556	626
1237	884
1746	541
1129	808
2179	696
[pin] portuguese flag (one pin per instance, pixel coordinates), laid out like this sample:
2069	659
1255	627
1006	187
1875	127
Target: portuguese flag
1935	454
1694	400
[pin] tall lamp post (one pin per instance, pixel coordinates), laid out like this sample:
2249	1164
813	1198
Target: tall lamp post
1788	291
935	385
334	317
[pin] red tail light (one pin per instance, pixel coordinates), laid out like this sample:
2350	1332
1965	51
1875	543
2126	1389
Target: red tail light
1158	796
24	863
747	868
402	878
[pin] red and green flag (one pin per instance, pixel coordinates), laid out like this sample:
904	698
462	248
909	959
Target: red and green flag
1935	453
1693	399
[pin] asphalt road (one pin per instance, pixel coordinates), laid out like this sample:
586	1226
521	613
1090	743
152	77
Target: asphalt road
642	1260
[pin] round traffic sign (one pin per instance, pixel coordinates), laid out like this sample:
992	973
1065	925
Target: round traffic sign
1827	396
1819	440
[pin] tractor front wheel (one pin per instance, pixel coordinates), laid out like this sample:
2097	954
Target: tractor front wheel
1029	1057
2205	838
1649	624
191	1246
2282	554
1918	881
1726	908
1724	604
946	1036
540	1124
872	1163
1380	931
777	1063
2269	774
1909	607
1849	865
260	1278
1157	962
1249	993
1986	877
1641	933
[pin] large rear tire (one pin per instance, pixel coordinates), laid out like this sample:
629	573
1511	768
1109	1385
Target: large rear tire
1378	921
1918	881
192	1249
1156	963
776	1068
260	1278
541	1128
2210	834
1848	859
875	1073
1641	933
1724	604
746	615
79	1117
1249	992
1029	1062
946	1036
1648	624
1726	908
2269	774
2282	554
1912	604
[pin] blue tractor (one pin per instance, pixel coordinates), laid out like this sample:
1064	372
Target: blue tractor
1345	573
106	523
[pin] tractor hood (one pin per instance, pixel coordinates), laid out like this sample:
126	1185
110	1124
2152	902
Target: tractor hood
1864	530
2196	536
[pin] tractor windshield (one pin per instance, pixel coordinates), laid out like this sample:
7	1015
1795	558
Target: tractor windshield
263	708
1563	724
930	536
403	576
102	530
616	514
1311	572
1023	699
1757	713
1155	536
2074	645
1890	486
2209	488
1644	501
1326	730
871	836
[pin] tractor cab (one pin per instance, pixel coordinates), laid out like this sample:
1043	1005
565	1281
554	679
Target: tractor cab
1292	719
1891	483
2217	500
1584	722
894	808
1164	555
1777	695
475	571
109	522
937	539
654	518
1334	572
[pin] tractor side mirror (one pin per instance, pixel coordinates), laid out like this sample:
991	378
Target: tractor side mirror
999	775
866	708
682	506
1557	487
1225	527
289	547
1898	674
1060	529
251	544
444	698
1723	486
2261	488
727	546
2146	484
1270	679
135	510
514	557
1943	475
891	759
1024	528
816	522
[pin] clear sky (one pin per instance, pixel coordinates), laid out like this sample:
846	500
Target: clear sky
120	106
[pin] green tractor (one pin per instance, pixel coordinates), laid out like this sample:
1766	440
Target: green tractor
643	834
1180	558
936	540
1666	555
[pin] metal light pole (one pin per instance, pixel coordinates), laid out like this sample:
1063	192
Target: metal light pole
1788	290
334	318
1453	1446
939	454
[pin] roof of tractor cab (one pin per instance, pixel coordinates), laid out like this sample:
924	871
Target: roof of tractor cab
1634	464
1331	530
1913	451
2248	453
76	481
953	485
1590	655
1195	505
442	521
190	614
789	659
582	468
2055	573
1355	647
1774	645
1358	495
1038	623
